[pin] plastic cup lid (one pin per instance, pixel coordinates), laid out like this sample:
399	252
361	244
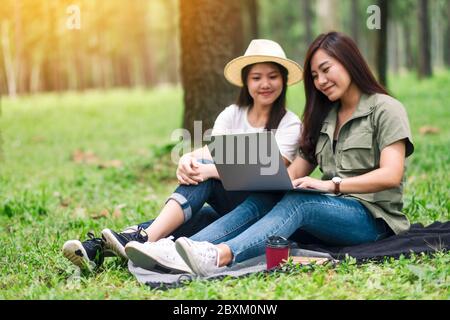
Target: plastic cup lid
277	242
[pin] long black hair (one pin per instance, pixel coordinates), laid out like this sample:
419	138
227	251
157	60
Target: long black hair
279	105
317	106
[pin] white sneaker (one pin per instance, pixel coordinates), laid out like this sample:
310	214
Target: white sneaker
159	256
201	257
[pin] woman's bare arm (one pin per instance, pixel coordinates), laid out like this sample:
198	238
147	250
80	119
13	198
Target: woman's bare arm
389	175
300	168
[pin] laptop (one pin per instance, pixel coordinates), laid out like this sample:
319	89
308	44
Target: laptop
251	162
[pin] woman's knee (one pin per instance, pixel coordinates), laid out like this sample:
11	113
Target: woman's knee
262	203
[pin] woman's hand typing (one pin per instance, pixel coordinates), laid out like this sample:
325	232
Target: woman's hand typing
312	183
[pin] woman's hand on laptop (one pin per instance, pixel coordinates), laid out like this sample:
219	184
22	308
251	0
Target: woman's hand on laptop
316	184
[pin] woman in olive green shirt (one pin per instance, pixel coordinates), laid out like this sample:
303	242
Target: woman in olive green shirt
358	136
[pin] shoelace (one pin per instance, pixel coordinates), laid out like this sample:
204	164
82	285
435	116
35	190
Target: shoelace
93	242
96	245
136	236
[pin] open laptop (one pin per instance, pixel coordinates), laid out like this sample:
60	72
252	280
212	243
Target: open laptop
251	162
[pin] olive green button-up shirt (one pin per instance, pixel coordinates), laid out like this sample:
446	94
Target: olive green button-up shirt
378	121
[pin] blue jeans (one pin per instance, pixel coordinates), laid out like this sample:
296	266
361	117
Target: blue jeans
334	220
192	199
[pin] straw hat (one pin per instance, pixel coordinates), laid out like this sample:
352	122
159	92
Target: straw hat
262	50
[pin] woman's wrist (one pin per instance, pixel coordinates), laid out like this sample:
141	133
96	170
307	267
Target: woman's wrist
212	171
187	155
331	186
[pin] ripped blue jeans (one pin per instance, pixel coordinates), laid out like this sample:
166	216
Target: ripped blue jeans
192	199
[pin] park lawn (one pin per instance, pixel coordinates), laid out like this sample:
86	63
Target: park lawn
47	197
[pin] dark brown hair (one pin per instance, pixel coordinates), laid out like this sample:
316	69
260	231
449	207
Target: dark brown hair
317	106
279	105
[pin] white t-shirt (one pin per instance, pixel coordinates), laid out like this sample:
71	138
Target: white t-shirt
233	119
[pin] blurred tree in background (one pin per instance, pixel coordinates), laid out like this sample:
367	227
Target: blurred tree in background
447	34
119	43
381	44
138	43
424	40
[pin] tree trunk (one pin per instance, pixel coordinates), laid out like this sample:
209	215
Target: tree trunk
393	47
327	13
424	41
18	46
381	50
355	20
11	80
211	35
307	16
408	47
447	38
253	12
34	78
437	39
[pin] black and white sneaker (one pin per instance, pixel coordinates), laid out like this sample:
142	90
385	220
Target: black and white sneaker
116	241
87	255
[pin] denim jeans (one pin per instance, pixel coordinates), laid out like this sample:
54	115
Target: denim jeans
204	217
192	198
334	220
240	219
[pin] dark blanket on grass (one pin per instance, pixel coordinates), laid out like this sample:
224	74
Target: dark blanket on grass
419	239
429	239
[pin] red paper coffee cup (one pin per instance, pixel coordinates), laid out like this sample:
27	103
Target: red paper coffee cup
277	250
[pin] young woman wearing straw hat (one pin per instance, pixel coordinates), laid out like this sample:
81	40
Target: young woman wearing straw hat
358	135
263	73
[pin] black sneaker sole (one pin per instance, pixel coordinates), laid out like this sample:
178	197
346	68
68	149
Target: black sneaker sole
111	243
74	251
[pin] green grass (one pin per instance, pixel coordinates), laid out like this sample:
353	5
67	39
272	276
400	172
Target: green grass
41	189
